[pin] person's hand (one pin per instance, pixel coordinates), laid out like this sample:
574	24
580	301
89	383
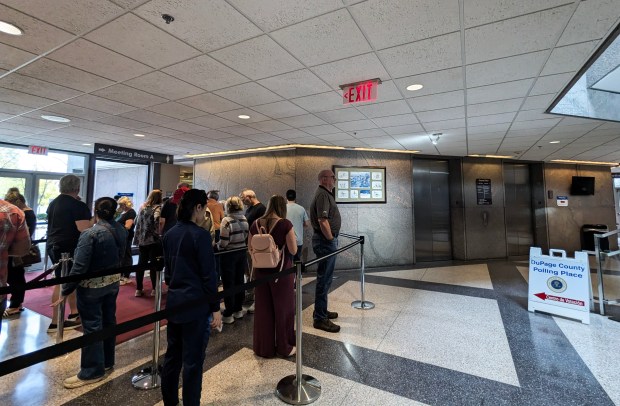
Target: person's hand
59	301
217	320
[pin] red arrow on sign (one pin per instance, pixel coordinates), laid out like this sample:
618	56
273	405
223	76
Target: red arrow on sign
544	296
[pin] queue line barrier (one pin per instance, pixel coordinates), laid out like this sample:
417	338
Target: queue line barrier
293	389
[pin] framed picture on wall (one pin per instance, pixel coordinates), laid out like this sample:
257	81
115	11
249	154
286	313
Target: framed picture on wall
359	184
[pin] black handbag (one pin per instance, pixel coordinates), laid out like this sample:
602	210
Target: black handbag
33	256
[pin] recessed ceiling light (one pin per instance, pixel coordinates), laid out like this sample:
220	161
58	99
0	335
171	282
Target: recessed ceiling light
554	142
10	29
139	135
87	145
56	119
243	116
413	88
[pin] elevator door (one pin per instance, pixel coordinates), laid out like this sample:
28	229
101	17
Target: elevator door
518	212
431	210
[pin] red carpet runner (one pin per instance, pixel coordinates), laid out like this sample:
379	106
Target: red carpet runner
127	305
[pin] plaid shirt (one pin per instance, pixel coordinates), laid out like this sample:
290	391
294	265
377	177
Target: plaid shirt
13	233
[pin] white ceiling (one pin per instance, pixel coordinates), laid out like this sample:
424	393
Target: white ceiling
490	68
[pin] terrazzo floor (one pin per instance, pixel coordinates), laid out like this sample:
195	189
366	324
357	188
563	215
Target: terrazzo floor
438	335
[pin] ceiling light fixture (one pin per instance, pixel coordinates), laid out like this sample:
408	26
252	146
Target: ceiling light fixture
572	161
554	142
56	119
491	156
139	135
244	116
87	145
294	146
435	138
413	88
10	29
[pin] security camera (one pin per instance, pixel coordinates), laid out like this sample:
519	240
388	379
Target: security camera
167	18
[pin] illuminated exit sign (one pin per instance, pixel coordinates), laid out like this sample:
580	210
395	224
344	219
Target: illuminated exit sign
360	92
36	150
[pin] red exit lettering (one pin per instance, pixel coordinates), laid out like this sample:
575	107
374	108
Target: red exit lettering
360	92
36	150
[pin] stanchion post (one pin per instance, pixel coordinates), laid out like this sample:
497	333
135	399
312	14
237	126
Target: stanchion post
298	389
60	311
599	275
149	378
362	304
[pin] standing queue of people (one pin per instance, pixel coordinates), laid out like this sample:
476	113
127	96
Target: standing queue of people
186	231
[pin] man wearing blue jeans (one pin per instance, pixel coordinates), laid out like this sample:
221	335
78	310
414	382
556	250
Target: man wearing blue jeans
325	219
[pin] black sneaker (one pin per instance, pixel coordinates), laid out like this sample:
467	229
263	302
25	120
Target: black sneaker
332	315
326	325
68	325
74	317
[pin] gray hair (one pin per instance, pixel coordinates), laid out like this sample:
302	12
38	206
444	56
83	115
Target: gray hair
69	184
213	194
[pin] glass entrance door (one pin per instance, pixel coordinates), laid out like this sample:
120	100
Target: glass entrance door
19	180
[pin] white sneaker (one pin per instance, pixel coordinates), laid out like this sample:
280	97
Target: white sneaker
228	319
239	314
251	308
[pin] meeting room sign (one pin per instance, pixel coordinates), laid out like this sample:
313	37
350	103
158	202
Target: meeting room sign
130	154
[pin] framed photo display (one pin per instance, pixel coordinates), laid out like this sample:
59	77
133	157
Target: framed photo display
359	184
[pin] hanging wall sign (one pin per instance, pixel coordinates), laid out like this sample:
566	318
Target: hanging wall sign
36	150
360	92
483	192
130	154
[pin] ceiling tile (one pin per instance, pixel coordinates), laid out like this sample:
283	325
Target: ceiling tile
75	17
213	134
52	71
147	117
546	123
211	121
269	126
163	131
128	95
532	32
306	120
319	102
371	133
204	24
442	114
274	14
280	109
478	12
206	72
123	122
270	139
434	82
38	123
322	129
351	70
233	115
501	91
505	69
176	110
551	84
437	101
389	23
65	109
340	115
290	134
257	58
312	41
249	94
568	58
356	125
488	128
337	137
392	121
8	125
160	84
41	36
13	57
149	44
592	20
445	125
209	102
100	104
240	130
423	56
496	107
37	87
529	115
295	84
183	126
391	108
96	59
538	102
23	99
491	119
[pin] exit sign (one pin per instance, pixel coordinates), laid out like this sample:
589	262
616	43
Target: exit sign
360	92
33	149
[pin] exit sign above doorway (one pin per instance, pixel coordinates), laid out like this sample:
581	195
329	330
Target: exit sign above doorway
360	92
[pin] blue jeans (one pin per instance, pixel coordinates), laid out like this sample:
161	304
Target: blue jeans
97	307
324	273
187	343
297	257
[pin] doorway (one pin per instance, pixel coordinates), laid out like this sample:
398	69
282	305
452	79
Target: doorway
518	209
114	178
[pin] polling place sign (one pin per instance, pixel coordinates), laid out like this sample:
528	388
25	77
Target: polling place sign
559	285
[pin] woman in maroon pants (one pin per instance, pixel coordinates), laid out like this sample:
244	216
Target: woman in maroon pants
274	317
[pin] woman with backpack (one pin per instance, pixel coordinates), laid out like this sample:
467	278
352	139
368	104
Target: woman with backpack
233	234
274	317
147	238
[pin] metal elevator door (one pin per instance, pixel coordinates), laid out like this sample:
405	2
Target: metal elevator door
518	209
431	210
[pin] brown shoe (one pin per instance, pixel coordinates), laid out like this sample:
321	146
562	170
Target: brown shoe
326	325
332	315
